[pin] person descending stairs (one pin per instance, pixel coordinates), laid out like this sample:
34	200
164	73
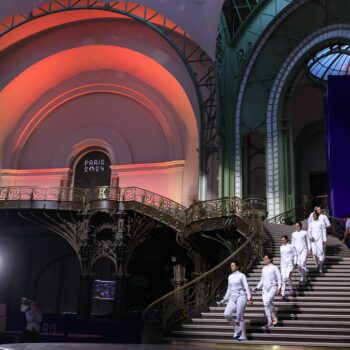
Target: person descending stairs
318	315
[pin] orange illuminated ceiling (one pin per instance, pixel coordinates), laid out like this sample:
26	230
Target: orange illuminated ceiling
44	20
20	93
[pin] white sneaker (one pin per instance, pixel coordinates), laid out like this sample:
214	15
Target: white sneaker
242	338
237	335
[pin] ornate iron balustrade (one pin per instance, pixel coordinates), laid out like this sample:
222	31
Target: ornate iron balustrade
337	227
291	216
258	203
209	209
222	207
194	297
58	194
156	201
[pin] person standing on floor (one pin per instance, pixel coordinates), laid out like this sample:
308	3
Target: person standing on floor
236	297
301	243
288	260
318	238
34	318
271	285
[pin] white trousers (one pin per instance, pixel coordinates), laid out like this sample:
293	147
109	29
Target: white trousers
268	296
236	305
302	257
286	274
317	248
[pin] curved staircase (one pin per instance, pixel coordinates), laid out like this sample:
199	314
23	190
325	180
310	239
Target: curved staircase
318	316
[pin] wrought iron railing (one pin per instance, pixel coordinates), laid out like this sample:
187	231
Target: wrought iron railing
161	203
291	216
222	207
258	203
337	227
194	297
39	193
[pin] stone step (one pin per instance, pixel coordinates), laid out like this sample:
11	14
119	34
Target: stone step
311	267
286	315
299	323
309	259
318	316
317	292
325	345
312	284
291	302
276	329
282	309
333	337
326	274
253	280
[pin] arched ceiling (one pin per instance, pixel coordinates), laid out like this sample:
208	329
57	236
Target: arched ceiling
199	18
61	66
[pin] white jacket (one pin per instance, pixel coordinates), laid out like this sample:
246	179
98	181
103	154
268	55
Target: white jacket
300	240
237	286
323	218
270	277
288	254
33	320
317	231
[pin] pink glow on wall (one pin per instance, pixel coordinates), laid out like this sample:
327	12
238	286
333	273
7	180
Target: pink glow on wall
28	127
48	88
22	91
164	178
33	177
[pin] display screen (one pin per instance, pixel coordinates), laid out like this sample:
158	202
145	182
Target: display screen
104	290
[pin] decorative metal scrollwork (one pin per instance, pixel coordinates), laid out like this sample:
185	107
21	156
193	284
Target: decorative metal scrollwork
194	297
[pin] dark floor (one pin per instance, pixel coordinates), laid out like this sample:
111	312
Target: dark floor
77	346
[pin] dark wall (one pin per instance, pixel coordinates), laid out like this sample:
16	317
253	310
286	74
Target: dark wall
338	144
25	251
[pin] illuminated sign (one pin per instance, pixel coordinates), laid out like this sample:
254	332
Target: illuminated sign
94	165
93	169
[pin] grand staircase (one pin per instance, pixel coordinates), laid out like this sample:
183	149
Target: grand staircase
318	316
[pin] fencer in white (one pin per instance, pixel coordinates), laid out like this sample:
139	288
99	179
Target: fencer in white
322	217
318	238
301	243
288	260
271	285
237	294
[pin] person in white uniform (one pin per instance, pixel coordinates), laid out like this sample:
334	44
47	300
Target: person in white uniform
301	243
322	217
271	285
288	260
237	294
318	238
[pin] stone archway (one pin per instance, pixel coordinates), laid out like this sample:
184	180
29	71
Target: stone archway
266	83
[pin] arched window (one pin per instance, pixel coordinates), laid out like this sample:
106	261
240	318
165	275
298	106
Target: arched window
332	60
93	169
